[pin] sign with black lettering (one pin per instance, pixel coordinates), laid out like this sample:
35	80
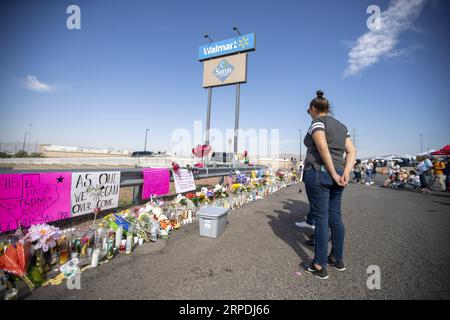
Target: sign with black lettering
92	190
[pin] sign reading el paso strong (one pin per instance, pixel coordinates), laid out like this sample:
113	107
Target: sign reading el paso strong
242	43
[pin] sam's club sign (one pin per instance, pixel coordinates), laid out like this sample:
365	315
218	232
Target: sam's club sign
223	70
242	43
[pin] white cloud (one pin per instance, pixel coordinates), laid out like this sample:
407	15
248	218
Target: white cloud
34	84
374	44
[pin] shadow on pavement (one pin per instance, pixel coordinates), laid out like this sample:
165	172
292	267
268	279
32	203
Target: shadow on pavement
283	226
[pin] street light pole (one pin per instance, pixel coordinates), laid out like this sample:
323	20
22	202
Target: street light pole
421	147
145	146
29	138
24	140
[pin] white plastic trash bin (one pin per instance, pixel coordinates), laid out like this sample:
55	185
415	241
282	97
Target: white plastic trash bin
212	221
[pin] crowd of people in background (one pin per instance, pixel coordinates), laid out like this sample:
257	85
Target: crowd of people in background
422	177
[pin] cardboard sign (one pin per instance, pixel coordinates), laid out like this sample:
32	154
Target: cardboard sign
156	182
184	180
33	198
92	190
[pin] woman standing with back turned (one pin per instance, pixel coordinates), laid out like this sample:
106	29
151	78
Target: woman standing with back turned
326	173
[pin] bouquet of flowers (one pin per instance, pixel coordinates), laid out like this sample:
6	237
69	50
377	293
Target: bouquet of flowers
15	260
236	187
43	236
242	179
220	191
280	175
185	201
194	198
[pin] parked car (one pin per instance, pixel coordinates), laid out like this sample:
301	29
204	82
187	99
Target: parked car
220	159
140	154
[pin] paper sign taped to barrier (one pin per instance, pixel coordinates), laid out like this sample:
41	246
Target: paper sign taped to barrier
184	180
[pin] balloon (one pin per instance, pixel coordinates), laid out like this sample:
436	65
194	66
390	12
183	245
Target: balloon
201	151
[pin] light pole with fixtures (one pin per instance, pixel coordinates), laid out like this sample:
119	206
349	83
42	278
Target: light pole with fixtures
29	138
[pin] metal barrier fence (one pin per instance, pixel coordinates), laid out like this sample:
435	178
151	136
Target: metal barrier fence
133	177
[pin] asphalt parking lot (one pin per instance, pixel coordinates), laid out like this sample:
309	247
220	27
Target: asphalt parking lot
404	233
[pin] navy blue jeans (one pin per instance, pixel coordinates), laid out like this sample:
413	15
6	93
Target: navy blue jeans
325	198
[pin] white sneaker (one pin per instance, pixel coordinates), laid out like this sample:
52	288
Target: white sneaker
367	184
372	182
304	224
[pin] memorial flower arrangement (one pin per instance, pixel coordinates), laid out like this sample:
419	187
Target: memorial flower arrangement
151	221
193	197
280	175
236	187
185	201
15	260
221	191
255	183
210	195
175	166
43	236
242	179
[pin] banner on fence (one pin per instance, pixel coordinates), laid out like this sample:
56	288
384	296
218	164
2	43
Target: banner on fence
156	182
184	180
33	198
92	190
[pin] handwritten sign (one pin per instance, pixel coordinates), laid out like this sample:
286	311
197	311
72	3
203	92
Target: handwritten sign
33	198
92	190
156	182
184	180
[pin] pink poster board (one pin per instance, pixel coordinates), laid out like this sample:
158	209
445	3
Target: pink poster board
156	182
33	198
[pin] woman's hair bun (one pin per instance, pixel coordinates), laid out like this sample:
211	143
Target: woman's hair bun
319	94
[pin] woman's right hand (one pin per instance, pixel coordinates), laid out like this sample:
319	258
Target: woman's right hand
337	179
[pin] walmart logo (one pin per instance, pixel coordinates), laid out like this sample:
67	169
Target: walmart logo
223	70
242	43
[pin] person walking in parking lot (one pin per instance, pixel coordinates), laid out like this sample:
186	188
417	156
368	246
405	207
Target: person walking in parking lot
439	167
369	171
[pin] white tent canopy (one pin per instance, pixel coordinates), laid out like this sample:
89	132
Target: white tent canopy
426	153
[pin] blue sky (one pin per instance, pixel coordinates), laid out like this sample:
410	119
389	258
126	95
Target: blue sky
133	65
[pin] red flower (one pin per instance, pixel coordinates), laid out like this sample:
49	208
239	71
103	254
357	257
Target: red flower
175	166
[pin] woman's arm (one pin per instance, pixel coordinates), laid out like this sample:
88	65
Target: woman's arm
350	158
322	146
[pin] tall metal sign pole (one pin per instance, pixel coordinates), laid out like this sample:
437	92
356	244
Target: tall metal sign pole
208	116
236	116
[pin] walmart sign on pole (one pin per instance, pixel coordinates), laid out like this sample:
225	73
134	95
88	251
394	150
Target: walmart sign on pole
242	43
